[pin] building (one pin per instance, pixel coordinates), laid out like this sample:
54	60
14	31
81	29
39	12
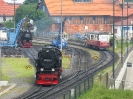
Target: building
124	21
7	10
87	15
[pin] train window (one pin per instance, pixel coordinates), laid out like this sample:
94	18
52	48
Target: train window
97	37
104	37
92	37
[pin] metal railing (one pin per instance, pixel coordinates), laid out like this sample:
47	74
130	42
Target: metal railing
79	88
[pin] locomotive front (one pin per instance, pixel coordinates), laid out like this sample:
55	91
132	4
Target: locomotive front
48	66
26	39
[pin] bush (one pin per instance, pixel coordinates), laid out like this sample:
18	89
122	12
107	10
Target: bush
8	24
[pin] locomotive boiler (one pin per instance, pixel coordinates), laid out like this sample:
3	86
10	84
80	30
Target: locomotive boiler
48	66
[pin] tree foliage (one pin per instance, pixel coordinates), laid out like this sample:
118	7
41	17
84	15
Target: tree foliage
26	2
38	16
8	24
24	10
128	0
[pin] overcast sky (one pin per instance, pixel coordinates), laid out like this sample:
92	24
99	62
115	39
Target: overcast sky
12	1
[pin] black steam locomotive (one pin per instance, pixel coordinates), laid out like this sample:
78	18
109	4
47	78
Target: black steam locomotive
48	65
25	39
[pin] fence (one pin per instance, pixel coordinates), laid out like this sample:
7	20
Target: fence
79	88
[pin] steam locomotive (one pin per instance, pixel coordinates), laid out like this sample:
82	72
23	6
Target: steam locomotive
25	39
48	65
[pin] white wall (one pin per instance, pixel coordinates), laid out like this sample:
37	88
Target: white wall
7	18
119	32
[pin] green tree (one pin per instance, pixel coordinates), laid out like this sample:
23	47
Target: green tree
24	10
8	24
128	0
41	20
26	2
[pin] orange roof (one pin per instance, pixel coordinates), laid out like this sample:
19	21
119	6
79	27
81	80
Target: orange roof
130	11
70	8
6	9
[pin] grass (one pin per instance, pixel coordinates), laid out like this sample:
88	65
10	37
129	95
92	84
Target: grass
66	62
21	89
16	68
118	47
100	92
93	53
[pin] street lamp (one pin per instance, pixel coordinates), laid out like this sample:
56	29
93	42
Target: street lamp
14	12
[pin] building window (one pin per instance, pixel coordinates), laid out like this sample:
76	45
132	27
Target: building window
81	18
105	18
70	18
94	18
57	19
43	8
125	28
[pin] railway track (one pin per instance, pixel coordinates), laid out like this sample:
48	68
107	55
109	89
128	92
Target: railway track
81	73
32	54
69	83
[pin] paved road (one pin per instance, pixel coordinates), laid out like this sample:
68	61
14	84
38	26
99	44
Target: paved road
129	76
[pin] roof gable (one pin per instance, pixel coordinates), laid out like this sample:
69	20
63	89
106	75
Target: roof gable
6	9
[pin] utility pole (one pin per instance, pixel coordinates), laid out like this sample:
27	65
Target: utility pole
122	36
14	13
0	61
61	26
113	44
127	28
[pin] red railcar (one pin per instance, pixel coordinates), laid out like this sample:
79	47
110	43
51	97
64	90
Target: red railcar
98	41
48	66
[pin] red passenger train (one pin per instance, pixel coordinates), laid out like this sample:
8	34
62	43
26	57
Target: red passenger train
48	66
98	41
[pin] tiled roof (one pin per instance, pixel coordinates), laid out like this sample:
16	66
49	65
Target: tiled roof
70	8
7	9
130	11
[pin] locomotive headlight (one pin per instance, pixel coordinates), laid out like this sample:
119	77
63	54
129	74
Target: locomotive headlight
47	50
41	69
60	58
53	69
